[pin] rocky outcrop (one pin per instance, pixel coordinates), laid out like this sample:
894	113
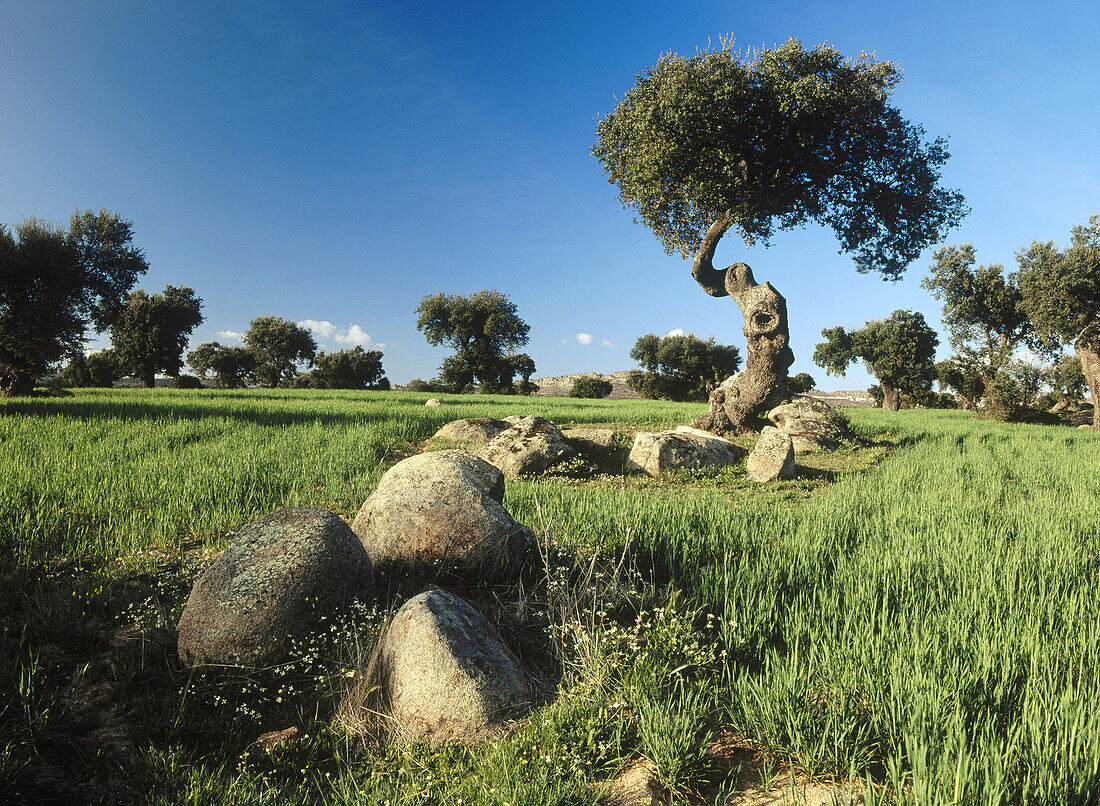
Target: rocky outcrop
445	673
442	507
530	446
275	578
772	458
811	424
473	429
657	453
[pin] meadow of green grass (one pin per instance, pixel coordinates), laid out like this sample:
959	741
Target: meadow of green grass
920	615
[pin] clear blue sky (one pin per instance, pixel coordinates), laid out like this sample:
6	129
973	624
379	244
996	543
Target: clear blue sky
334	162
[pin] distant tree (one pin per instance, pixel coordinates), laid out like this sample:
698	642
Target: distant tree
590	387
482	329
523	366
278	345
150	332
1066	379
186	382
963	376
768	141
801	383
1061	295
347	369
54	282
421	385
233	367
899	351
680	367
983	310
94	369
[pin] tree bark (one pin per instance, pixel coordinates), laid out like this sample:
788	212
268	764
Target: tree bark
15	384
1087	347
741	401
891	397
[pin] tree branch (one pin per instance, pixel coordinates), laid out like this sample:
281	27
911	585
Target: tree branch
710	279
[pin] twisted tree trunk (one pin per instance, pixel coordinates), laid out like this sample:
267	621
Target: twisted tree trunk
891	397
741	401
1087	347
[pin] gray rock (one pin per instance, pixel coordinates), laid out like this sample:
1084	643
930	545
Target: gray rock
473	429
532	445
443	506
589	439
772	458
656	453
812	424
275	578
445	673
435	401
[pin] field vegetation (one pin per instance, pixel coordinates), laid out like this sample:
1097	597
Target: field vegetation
918	618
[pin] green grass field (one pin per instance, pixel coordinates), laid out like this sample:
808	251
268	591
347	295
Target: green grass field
920	616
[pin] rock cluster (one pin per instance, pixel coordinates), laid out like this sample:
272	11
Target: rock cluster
531	445
812	425
658	453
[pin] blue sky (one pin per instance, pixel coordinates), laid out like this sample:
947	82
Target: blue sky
335	162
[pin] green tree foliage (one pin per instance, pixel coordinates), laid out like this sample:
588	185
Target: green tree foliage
346	369
233	367
801	383
523	366
773	139
590	387
98	369
278	345
680	367
150	332
982	308
483	330
899	351
963	376
54	282
1061	295
1066	378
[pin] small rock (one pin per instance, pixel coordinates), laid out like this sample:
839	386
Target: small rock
446	674
473	429
435	401
589	439
684	449
811	424
533	445
276	739
443	506
772	458
275	578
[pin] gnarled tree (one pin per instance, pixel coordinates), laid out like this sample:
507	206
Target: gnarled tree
764	141
1061	294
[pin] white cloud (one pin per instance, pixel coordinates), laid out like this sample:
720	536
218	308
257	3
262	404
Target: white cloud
607	343
584	338
229	334
323	329
679	331
355	335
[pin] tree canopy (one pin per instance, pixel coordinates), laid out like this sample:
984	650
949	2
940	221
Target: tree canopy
278	346
347	369
771	139
150	333
483	329
680	367
591	387
54	282
899	351
232	366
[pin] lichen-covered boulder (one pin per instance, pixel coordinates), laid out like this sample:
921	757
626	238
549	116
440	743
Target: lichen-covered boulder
443	506
435	401
533	445
590	440
472	429
657	453
445	673
772	458
276	577
811	424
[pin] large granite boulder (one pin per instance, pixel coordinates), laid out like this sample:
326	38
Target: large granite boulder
472	429
772	458
443	506
275	578
533	445
445	673
657	453
812	424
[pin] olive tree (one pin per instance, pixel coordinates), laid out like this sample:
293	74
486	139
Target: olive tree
278	345
768	141
151	331
899	351
233	367
1061	295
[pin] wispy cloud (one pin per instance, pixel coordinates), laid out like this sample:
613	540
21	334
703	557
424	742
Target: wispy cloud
352	334
584	338
607	343
230	334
